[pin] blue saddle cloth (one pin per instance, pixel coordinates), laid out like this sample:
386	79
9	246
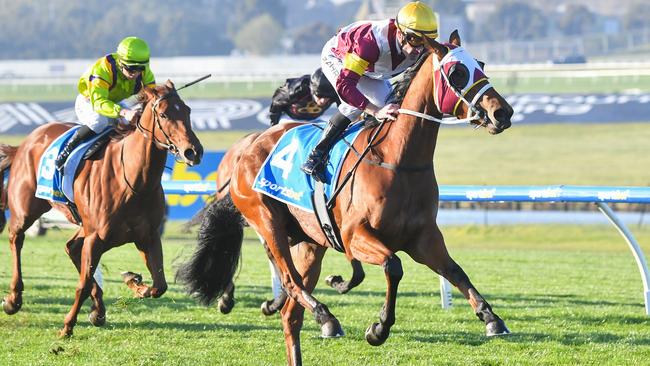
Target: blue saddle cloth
281	177
50	185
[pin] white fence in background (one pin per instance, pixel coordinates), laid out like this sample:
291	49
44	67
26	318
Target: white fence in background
236	69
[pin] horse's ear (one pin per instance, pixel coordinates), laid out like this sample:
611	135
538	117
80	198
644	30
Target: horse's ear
170	85
149	92
454	38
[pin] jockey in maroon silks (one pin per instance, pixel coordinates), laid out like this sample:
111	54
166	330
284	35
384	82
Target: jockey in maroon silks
360	60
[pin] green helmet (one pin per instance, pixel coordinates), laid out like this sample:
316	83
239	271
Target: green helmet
133	51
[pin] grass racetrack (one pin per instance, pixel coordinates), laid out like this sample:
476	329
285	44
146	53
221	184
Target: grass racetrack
570	295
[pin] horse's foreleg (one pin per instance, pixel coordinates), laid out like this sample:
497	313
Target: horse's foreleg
14	299
336	281
365	245
90	255
152	253
432	252
308	259
97	314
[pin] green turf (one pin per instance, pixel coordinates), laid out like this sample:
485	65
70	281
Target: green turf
570	295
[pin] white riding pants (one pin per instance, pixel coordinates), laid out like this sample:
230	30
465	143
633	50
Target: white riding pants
87	116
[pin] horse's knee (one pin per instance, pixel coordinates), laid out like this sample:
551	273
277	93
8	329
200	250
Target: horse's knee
393	268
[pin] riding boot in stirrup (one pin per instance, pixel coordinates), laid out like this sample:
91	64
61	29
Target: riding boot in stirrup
315	164
79	136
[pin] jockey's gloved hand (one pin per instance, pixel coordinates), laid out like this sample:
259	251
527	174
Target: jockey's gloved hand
389	111
129	114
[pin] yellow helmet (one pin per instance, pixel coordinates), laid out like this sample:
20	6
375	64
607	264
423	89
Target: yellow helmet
133	51
418	18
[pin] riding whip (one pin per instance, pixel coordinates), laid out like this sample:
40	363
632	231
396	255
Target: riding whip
194	82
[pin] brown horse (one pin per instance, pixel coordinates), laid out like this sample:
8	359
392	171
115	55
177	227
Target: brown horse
119	197
227	300
389	205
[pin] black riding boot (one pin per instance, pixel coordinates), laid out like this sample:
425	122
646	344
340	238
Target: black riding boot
79	136
315	164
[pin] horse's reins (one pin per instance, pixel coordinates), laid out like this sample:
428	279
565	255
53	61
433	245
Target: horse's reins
474	114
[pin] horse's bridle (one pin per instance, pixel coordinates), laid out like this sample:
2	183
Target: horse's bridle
474	113
168	145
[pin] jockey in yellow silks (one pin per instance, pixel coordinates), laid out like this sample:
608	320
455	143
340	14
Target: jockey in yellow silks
104	86
360	60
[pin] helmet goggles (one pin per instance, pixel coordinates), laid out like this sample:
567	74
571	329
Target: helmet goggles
132	68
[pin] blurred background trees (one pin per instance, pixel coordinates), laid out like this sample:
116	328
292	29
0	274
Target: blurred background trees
86	29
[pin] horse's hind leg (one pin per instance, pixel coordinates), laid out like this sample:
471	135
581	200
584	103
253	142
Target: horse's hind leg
308	258
97	314
336	281
227	300
31	210
431	251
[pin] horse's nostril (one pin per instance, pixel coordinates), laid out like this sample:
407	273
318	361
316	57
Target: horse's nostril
502	118
189	154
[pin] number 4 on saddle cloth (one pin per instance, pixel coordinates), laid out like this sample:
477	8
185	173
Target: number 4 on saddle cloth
51	185
281	177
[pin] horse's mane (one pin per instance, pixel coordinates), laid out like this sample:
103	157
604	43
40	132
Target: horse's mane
401	85
142	99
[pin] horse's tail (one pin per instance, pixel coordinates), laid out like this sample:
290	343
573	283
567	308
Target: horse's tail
7	154
198	217
211	268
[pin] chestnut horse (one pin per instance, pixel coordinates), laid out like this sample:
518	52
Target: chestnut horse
389	205
227	299
119	197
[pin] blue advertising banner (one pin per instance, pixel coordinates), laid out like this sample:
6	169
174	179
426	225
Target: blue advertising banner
185	206
252	114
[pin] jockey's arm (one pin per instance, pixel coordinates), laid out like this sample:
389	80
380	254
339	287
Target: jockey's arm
148	79
98	95
354	66
279	102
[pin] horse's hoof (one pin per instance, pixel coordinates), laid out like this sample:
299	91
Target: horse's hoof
9	308
332	280
331	329
63	333
131	278
374	336
226	305
496	328
97	320
266	308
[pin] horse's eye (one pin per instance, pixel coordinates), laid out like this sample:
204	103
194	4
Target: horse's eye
458	76
163	116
